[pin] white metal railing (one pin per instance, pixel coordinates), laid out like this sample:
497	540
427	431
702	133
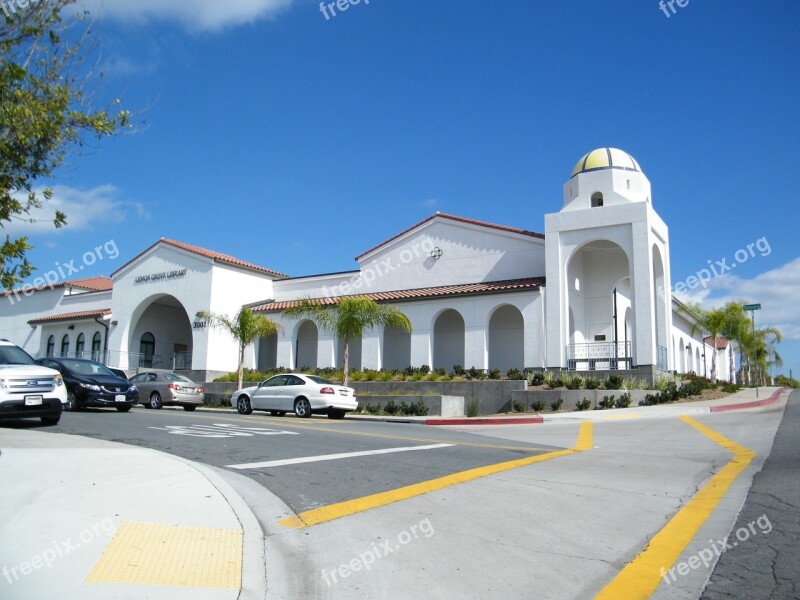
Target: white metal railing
599	356
182	361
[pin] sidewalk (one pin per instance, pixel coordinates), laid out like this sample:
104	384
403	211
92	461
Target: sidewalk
90	519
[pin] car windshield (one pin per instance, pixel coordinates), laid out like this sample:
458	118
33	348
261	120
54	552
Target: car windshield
12	355
174	377
88	368
320	380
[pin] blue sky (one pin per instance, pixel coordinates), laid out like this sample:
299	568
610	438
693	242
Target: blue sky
296	142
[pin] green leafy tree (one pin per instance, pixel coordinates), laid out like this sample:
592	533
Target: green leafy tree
45	111
349	318
245	327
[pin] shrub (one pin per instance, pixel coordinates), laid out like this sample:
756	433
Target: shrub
405	408
537	406
614	382
608	402
391	408
556	404
424	369
519	406
441	372
472	408
584	404
419	409
633	383
494	374
515	374
458	370
373	409
624	401
574	382
535	377
730	388
591	383
474	373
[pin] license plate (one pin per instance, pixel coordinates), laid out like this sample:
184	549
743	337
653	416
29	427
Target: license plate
120	398
343	392
189	390
33	400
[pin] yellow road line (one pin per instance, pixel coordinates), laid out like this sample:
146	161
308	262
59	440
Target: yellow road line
332	429
640	578
351	507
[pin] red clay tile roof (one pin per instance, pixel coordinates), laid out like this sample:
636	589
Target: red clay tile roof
466	289
75	316
96	284
215	256
92	284
453	218
722	342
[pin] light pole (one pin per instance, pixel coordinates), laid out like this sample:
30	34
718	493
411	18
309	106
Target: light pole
753	308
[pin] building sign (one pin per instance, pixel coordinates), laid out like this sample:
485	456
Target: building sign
161	276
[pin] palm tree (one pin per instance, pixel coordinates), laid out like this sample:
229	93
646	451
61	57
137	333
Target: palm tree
736	327
713	322
245	327
349	318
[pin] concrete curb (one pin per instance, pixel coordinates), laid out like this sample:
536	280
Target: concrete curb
744	405
485	421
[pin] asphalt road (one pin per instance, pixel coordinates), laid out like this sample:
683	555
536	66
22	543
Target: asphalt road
225	439
568	526
764	565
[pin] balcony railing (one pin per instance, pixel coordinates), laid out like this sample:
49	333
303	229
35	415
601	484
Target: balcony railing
599	356
182	361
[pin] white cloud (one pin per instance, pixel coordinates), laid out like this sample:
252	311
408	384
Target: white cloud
431	203
204	15
776	291
83	208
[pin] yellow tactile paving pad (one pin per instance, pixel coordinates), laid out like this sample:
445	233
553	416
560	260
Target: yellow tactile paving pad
157	554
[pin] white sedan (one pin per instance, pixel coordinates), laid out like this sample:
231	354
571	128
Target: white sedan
303	394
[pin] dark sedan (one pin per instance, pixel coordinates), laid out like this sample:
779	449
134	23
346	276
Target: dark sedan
90	383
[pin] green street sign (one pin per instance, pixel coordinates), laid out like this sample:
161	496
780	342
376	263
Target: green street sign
752	307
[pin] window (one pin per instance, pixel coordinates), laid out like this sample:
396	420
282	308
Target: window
79	345
51	346
597	199
96	346
147	347
65	345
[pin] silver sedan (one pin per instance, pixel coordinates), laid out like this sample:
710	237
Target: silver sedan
162	388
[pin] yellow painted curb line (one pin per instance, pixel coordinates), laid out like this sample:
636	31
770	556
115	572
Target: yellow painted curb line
351	507
642	576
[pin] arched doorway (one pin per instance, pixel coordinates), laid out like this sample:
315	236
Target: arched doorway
354	359
599	307
268	352
80	344
172	347
448	340
65	346
506	339
307	338
396	348
51	345
660	303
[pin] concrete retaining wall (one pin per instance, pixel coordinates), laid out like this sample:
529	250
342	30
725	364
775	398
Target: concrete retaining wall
438	406
572	397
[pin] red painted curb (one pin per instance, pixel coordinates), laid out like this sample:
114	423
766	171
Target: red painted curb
474	421
753	404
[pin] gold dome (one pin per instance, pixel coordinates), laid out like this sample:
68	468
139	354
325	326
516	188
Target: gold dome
606	158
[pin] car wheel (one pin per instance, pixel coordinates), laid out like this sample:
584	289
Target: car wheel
189	407
72	402
302	408
50	420
124	408
155	400
277	413
336	414
243	405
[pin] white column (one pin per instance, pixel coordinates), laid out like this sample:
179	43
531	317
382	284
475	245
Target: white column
326	351
476	352
372	350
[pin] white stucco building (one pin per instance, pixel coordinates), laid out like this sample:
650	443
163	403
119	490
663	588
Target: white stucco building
590	294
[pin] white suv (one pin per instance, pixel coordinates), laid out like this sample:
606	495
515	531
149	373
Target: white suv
27	389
